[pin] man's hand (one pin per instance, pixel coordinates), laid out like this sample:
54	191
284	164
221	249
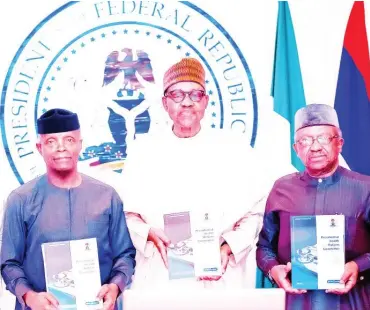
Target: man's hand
40	301
161	241
225	257
109	293
349	278
280	275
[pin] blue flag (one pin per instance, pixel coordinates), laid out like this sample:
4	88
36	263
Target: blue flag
352	99
287	87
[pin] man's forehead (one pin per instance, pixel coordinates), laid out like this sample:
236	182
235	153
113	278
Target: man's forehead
186	86
74	133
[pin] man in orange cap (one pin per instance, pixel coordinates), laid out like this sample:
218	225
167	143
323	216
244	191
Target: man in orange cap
196	170
184	98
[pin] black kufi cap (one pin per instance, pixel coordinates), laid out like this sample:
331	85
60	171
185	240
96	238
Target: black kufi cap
57	120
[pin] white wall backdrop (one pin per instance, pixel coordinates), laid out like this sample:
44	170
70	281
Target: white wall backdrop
319	28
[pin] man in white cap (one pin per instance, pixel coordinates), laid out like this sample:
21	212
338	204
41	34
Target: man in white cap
63	205
324	188
190	168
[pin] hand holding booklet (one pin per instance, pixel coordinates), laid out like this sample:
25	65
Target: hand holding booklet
195	248
317	251
72	273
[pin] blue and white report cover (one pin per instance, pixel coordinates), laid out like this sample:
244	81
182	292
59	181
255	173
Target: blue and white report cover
180	252
317	251
72	273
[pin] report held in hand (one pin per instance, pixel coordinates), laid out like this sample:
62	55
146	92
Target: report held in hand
195	247
317	251
72	273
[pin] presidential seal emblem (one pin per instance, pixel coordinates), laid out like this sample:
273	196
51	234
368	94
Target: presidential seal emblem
105	61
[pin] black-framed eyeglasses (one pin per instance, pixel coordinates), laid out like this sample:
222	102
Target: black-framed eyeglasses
179	95
322	139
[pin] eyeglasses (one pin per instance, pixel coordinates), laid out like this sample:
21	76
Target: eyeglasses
322	139
179	95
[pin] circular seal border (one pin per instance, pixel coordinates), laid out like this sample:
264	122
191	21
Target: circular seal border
62	50
68	4
242	59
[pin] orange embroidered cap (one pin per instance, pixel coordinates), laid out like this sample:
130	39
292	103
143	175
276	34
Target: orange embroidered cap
187	70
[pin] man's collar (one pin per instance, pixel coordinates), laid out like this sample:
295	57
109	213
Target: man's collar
315	181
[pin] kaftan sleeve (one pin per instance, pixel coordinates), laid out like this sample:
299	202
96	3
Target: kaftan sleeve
139	231
243	236
363	261
267	245
13	248
123	249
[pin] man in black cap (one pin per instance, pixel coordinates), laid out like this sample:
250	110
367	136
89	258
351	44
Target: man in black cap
58	206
